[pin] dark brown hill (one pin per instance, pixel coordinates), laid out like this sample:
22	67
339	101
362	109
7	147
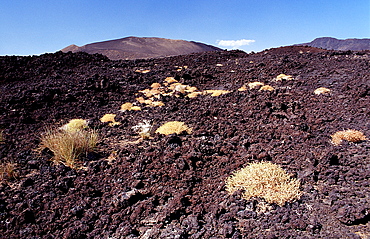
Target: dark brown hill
331	43
130	48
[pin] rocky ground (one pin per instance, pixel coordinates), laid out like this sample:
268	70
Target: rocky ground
174	186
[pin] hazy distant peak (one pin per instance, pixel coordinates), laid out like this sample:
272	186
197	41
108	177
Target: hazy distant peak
331	43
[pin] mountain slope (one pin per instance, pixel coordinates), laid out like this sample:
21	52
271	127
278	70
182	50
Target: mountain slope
331	43
129	48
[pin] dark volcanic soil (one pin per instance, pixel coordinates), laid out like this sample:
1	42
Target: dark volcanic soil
174	186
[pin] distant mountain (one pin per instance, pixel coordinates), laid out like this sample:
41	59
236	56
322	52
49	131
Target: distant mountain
129	48
331	43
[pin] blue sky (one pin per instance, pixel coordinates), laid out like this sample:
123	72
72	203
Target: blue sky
39	26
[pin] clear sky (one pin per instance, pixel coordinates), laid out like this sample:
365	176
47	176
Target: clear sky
29	27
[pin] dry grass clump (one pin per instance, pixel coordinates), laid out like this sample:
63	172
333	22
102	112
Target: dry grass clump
349	135
1	137
264	180
173	127
75	125
267	88
109	118
8	171
282	77
69	146
256	84
321	90
144	129
216	92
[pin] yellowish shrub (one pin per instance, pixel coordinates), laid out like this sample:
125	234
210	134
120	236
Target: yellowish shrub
349	135
256	84
217	92
69	146
170	80
193	94
109	118
155	85
136	108
8	171
264	180
243	88
267	87
157	103
173	127
75	125
144	129
321	90
126	106
283	77
191	89
1	136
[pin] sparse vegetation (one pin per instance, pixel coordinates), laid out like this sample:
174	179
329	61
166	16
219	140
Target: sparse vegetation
321	90
8	171
264	180
69	146
267	87
174	127
216	92
1	137
350	135
75	125
109	118
144	129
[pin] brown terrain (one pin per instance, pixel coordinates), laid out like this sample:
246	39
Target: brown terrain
331	43
130	48
173	186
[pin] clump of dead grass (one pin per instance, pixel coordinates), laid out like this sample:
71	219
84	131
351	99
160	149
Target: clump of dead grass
8	171
264	180
75	125
350	135
174	127
68	146
321	90
110	119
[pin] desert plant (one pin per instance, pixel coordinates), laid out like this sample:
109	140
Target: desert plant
173	127
109	118
321	90
69	146
264	180
144	129
267	87
8	171
1	137
75	125
349	135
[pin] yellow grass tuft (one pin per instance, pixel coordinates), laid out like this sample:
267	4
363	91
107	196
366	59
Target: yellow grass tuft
217	92
69	146
267	87
349	135
109	118
193	94
264	180
321	90
173	127
8	171
282	77
135	108
170	80
255	84
155	85
75	125
126	106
